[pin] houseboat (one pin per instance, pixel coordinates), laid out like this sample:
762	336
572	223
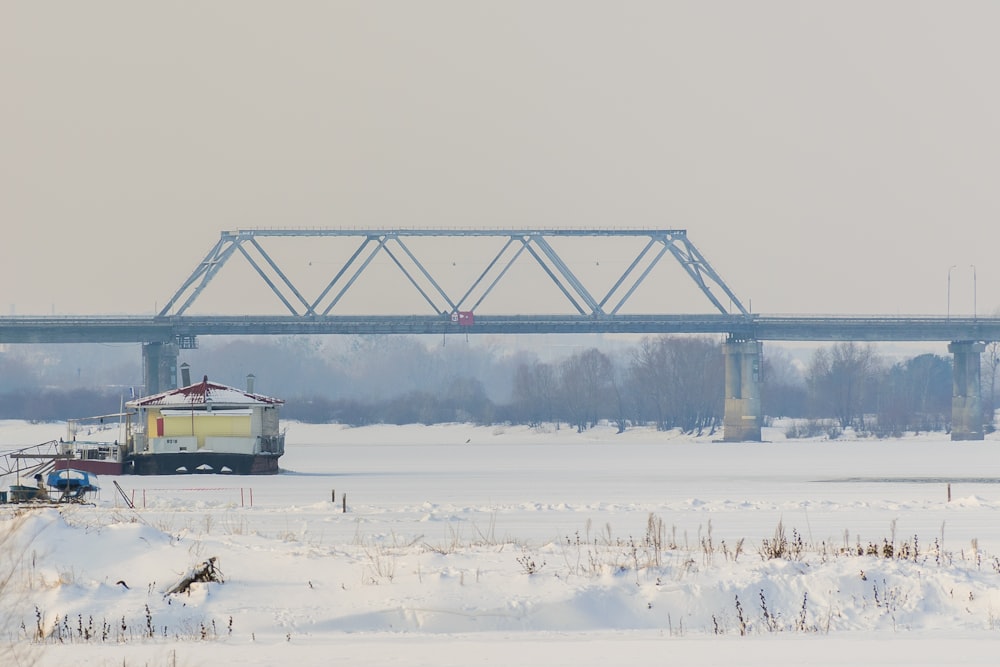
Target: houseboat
204	427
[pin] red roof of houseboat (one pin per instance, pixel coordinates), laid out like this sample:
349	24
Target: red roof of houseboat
202	393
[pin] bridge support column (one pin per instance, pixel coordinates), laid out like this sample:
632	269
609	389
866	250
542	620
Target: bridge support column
966	403
743	414
159	367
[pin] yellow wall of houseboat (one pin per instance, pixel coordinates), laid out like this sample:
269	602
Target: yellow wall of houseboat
223	425
200	424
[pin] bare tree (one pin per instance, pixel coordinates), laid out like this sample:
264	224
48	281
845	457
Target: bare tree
586	384
915	395
625	396
649	373
680	381
841	381
536	392
699	378
783	390
466	398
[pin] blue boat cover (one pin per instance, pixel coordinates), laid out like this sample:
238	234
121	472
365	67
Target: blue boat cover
72	480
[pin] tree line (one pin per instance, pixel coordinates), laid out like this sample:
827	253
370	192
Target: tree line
670	382
677	382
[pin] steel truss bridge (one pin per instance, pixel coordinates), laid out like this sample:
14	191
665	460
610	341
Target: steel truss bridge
465	310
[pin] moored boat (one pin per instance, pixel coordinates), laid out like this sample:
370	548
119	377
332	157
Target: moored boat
95	444
205	427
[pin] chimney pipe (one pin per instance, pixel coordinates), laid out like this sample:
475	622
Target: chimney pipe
185	374
250	379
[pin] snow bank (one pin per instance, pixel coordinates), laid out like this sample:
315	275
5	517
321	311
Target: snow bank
461	545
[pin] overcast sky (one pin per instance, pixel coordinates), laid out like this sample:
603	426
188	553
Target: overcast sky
833	157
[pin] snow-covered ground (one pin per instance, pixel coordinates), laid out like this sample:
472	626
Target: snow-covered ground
464	545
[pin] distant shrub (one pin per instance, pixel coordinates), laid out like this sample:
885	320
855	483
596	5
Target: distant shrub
814	428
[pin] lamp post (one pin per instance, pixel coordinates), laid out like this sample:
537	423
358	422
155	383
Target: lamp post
948	312
973	290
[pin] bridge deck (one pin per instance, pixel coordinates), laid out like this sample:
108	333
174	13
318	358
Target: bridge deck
99	329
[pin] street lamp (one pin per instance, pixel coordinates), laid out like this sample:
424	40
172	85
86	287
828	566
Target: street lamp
973	290
949	290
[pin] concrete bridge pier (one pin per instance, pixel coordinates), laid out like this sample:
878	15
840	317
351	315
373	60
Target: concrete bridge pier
743	415
159	367
966	403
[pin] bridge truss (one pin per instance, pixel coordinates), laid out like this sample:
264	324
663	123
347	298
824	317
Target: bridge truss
321	312
398	247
